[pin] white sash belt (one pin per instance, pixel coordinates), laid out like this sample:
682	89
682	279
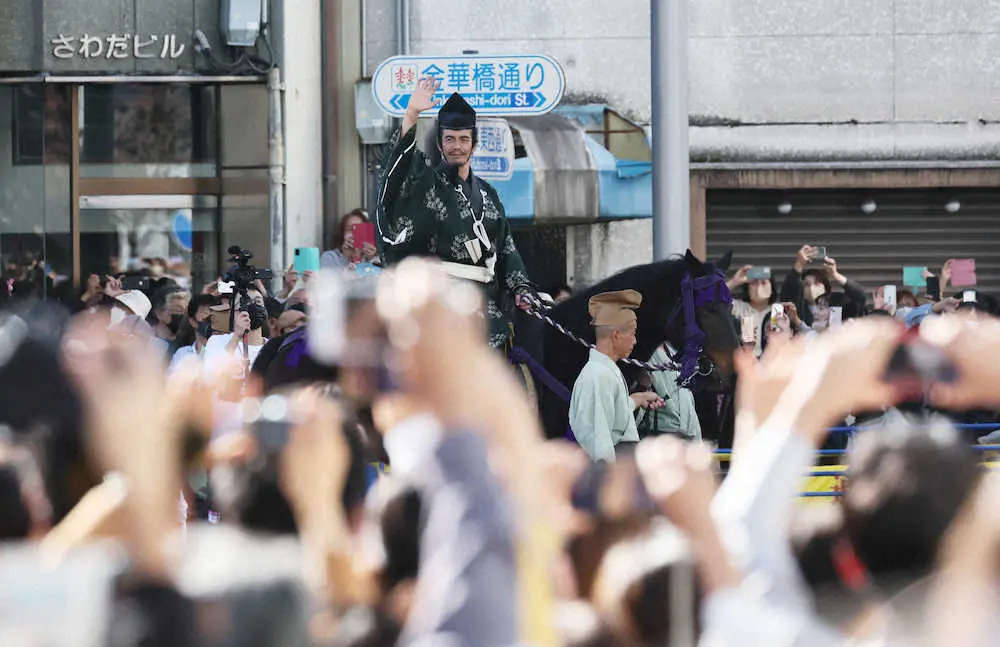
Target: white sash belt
469	272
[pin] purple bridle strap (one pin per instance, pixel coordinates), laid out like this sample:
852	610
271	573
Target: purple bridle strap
696	293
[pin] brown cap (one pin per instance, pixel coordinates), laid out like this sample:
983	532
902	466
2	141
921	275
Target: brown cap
614	308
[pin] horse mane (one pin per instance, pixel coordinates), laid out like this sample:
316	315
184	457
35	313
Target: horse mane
659	284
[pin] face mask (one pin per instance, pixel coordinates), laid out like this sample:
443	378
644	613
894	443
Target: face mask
205	328
814	291
175	323
258	315
760	292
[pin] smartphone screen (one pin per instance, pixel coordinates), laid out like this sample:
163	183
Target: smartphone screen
307	259
969	296
759	274
889	296
819	254
934	287
364	234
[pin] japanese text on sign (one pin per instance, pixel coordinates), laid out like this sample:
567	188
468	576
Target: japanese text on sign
479	77
499	85
491	139
118	46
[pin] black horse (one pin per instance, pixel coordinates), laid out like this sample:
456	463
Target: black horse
661	319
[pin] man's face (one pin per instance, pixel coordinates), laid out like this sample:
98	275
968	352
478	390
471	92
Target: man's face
177	304
625	340
456	146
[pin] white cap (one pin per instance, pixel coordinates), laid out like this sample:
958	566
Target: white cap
135	301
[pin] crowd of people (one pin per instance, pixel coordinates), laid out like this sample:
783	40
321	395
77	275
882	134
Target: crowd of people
166	481
233	466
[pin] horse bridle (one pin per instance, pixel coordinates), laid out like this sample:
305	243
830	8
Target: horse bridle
696	293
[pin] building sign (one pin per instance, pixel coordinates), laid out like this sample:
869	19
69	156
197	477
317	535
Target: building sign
493	85
493	158
118	46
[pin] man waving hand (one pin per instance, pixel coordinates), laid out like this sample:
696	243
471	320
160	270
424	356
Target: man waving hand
447	211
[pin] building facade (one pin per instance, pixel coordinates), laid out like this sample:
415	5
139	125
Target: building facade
161	129
800	114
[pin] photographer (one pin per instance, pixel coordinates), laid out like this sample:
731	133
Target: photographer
247	336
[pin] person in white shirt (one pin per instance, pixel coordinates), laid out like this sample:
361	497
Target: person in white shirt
199	322
241	346
248	327
600	410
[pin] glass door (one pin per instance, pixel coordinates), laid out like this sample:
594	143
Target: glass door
117	177
167	236
36	248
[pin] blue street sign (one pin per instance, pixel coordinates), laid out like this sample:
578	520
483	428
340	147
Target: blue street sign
493	85
493	158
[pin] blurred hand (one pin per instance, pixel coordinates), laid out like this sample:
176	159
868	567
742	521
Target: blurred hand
290	279
113	287
792	312
369	252
946	306
680	477
315	462
803	257
521	302
241	324
830	267
212	288
946	273
761	383
647	400
973	346
739	278
132	430
839	373
93	285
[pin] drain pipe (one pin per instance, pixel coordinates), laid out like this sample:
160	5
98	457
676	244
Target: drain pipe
403	27
276	173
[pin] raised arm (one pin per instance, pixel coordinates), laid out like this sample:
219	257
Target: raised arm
403	168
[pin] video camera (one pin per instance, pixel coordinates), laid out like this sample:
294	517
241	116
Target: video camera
242	274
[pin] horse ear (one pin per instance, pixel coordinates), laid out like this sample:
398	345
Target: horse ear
691	260
724	261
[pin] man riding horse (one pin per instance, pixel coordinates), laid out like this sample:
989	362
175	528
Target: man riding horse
448	212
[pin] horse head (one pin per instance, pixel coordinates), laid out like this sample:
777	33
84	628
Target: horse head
685	302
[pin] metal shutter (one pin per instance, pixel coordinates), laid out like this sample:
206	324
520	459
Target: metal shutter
909	227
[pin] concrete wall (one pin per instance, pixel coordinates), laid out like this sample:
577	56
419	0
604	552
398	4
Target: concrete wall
913	73
779	61
751	61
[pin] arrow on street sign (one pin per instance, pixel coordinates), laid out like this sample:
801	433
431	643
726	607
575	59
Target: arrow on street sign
492	85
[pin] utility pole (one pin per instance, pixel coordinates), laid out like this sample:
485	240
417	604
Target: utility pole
671	169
